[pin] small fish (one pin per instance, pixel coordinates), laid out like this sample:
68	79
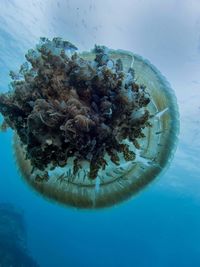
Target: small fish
24	68
4	126
59	43
14	76
117	171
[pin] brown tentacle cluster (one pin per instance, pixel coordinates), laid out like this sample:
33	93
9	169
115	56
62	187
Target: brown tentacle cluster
62	106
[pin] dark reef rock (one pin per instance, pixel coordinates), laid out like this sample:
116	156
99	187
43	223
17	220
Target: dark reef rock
13	243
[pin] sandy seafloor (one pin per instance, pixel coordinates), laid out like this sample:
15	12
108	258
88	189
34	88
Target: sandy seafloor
161	226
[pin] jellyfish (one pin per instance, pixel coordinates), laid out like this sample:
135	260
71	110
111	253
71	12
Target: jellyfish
91	129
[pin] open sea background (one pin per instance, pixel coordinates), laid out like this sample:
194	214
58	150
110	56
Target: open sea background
160	227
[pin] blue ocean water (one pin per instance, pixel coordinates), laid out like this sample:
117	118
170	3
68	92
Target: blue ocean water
160	226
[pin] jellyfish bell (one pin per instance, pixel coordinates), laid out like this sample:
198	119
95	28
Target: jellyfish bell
107	131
